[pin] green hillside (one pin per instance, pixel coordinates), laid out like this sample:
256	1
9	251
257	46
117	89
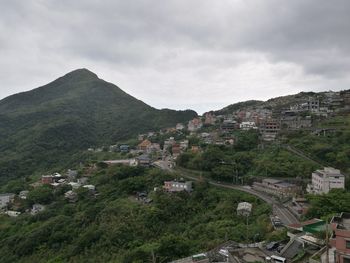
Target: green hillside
114	227
48	127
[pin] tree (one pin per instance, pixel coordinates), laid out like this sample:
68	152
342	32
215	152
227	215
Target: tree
41	195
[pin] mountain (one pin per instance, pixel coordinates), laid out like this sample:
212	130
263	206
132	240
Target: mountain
274	103
47	126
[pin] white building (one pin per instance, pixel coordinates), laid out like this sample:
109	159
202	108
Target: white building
178	186
180	126
247	125
5	199
244	209
325	180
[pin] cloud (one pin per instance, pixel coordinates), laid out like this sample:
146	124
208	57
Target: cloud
197	54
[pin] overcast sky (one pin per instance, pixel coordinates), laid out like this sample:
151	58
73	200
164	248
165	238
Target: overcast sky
198	54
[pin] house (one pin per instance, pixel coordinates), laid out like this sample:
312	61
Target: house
71	196
154	147
179	127
247	125
143	146
90	187
47	179
176	150
228	125
178	186
37	208
229	140
194	124
210	119
74	185
23	194
72	175
124	148
340	239
82	180
168	143
244	209
12	213
184	144
6	199
143	160
325	180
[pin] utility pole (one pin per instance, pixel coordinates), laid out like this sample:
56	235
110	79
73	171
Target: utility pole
327	241
246	237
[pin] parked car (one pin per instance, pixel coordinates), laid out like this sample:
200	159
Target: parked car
272	246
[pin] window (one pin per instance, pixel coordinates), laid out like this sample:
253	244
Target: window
347	244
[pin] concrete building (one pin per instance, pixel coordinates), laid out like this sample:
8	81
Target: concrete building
229	125
178	186
325	180
244	209
37	208
296	122
247	125
47	179
194	124
179	127
269	129
341	238
23	194
6	199
277	187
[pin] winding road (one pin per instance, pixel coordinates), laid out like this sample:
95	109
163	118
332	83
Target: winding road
278	208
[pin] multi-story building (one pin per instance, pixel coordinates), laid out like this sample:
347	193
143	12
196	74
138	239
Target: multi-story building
247	125
229	125
340	240
269	129
325	180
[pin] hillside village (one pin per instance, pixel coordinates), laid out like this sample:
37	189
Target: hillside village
164	148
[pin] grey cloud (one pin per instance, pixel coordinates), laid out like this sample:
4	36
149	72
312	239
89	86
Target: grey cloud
223	45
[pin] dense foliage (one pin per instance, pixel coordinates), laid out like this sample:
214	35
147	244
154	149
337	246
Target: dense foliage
246	159
114	226
326	205
47	128
332	147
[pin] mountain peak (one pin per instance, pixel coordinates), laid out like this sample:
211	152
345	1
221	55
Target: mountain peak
80	74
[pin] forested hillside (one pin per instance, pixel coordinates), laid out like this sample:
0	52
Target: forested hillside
47	127
113	226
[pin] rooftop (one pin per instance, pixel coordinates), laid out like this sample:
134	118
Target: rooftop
342	221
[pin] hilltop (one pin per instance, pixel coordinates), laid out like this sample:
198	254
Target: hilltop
48	126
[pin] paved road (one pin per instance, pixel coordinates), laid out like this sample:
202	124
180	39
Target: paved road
278	209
